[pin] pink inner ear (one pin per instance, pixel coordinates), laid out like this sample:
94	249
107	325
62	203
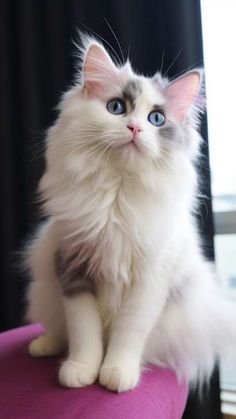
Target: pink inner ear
182	94
98	71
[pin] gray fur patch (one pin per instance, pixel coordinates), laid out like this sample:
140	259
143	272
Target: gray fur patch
169	132
132	90
72	274
179	293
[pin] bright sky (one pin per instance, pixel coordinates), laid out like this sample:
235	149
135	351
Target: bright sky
219	39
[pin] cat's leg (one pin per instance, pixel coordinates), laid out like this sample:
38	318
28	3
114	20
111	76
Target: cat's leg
84	325
121	367
44	294
46	308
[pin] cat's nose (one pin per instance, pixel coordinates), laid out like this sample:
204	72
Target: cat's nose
134	128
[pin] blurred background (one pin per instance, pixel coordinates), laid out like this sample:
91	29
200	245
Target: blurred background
219	35
38	65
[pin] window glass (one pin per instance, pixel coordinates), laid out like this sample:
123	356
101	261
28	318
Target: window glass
219	36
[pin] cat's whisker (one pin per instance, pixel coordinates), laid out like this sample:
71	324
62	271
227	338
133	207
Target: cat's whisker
87	140
83	135
36	150
37	145
162	61
189	68
117	41
167	162
151	168
162	171
174	60
108	155
87	137
112	132
89	154
101	155
84	131
146	143
84	142
87	151
104	40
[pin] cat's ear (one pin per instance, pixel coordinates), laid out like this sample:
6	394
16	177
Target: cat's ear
98	69
184	93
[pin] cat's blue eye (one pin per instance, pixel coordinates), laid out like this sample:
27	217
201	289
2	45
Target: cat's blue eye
156	118
116	106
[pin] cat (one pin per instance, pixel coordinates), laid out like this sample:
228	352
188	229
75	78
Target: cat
119	277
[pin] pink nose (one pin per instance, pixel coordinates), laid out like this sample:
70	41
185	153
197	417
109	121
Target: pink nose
134	128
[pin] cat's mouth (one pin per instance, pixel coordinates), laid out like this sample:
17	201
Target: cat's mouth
131	144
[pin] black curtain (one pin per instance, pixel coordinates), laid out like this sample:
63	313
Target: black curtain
37	65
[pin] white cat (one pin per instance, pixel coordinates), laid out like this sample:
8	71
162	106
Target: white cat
118	274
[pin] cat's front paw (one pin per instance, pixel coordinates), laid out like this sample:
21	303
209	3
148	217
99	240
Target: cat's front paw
119	378
46	345
74	374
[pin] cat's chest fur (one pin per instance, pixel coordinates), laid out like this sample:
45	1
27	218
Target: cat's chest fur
116	220
113	224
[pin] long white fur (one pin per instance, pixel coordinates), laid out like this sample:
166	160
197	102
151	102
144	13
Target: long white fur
157	299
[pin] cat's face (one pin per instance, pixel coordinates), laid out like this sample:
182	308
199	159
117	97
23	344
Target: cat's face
118	116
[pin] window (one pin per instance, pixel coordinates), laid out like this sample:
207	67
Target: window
219	36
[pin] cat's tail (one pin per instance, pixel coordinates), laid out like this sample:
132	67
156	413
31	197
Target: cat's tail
192	335
224	328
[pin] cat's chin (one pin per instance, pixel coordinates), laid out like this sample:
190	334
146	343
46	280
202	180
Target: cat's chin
129	157
129	149
130	146
128	153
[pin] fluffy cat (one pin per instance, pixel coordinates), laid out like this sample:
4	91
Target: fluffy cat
118	275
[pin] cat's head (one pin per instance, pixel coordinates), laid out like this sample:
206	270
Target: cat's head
114	116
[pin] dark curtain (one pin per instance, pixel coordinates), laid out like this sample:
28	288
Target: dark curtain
36	67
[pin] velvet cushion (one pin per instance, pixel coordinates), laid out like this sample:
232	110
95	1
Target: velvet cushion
30	389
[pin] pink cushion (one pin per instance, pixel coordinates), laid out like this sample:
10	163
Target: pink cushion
29	389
